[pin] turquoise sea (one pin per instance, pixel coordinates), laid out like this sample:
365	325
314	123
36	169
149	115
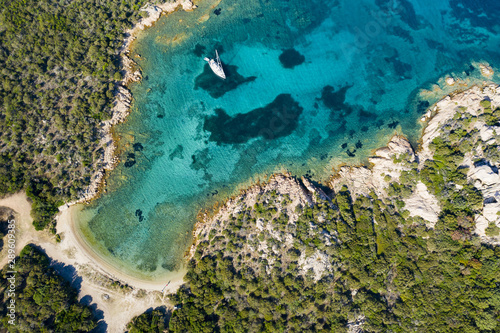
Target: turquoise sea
311	84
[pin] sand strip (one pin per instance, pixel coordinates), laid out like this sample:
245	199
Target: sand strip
93	277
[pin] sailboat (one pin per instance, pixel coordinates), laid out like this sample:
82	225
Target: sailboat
216	65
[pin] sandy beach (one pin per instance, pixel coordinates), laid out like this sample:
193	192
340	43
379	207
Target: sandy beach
93	277
118	296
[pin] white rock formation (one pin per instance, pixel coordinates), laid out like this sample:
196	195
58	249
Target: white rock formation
424	204
450	81
486	70
362	180
318	262
488	181
484	177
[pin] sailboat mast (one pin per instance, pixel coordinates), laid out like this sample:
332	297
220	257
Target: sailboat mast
218	59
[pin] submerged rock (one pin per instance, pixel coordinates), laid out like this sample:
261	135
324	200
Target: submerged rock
199	50
486	70
291	58
335	99
277	119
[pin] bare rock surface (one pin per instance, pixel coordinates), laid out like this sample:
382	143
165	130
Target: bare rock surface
361	180
484	176
424	204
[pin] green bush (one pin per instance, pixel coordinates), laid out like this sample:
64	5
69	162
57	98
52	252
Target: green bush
149	322
492	230
485	104
45	302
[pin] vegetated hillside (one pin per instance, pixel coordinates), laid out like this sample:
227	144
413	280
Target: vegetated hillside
59	66
44	301
277	263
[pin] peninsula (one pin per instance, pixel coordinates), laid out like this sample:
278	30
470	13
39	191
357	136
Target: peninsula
406	244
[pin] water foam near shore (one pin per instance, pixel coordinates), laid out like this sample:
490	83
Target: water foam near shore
309	86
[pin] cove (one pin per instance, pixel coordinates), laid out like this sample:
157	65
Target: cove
357	77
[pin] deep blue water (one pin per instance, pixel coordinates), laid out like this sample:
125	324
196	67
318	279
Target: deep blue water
310	85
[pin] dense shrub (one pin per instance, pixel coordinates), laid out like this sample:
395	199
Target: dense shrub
58	69
44	301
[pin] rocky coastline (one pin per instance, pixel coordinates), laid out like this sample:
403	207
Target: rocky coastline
358	234
123	98
386	165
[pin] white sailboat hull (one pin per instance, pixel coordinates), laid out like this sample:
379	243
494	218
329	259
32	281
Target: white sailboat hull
216	66
217	69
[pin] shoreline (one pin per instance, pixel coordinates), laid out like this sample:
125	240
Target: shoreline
65	223
118	295
70	234
121	109
123	98
380	164
72	257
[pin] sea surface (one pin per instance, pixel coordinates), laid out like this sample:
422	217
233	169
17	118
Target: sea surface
310	85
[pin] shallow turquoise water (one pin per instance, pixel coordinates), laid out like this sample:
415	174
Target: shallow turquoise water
350	75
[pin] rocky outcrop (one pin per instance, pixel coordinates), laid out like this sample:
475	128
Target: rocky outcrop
132	73
487	179
486	70
484	176
318	262
386	164
300	192
443	111
424	204
154	13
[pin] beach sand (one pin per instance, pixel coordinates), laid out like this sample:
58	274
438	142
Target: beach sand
93	277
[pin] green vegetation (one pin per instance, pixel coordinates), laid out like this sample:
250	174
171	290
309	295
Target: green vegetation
44	301
485	104
58	69
386	272
379	267
492	230
489	116
149	322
